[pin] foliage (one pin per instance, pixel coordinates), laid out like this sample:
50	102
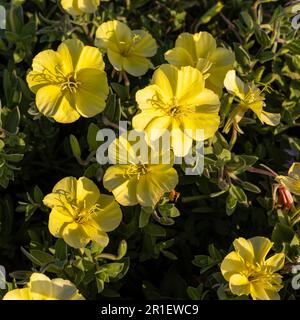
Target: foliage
176	250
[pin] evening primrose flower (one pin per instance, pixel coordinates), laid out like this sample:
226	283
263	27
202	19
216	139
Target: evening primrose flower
292	181
79	7
200	51
127	50
249	272
69	82
80	214
135	179
177	102
40	287
249	98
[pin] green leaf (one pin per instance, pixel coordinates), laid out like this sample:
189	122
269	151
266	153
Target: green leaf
250	187
13	120
195	293
145	215
91	137
75	146
212	12
282	234
238	193
262	37
231	203
155	230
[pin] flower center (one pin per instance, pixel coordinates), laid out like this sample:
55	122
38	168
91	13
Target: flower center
70	84
137	170
124	48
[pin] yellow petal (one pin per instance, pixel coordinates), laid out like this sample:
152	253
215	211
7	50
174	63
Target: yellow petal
48	99
40	287
294	170
290	183
136	65
239	284
66	113
205	44
152	98
92	229
64	290
179	57
116	59
261	247
93	91
110	215
122	187
165	77
120	151
145	45
59	218
71	6
69	52
244	249
222	57
44	65
88	6
18	294
68	184
258	292
272	119
90	58
276	262
109	35
232	264
157	127
187	42
234	84
87	193
152	186
190	83
142	119
181	142
75	236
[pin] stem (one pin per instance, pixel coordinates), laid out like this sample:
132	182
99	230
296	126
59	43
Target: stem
261	171
107	122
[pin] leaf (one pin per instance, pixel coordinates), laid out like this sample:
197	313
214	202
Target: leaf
281	234
155	230
145	215
231	203
209	14
75	146
195	293
262	37
61	250
13	120
238	193
250	187
91	137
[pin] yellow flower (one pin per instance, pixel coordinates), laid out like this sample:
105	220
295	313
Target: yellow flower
249	98
135	179
200	51
69	82
79	7
80	214
292	181
248	272
127	50
40	287
177	102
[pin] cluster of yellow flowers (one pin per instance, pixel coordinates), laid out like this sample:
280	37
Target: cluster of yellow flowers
184	94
